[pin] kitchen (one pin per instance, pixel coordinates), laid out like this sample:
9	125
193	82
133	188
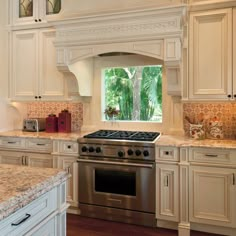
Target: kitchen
197	79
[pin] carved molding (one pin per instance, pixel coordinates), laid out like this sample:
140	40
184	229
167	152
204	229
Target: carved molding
156	33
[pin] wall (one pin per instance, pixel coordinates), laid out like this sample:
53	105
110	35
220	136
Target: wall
10	116
108	6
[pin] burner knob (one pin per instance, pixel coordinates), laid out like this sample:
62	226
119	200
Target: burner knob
146	153
138	152
121	153
91	149
130	152
98	150
84	149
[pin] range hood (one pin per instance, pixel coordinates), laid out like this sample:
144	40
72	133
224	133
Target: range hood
156	33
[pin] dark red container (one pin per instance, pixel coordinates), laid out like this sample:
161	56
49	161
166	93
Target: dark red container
51	123
64	121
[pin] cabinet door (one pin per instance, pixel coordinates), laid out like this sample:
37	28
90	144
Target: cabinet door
70	164
51	82
24	69
210	55
212	196
39	160
13	158
167	192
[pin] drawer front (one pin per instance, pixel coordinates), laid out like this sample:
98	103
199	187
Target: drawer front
68	147
29	216
12	142
167	153
210	155
39	145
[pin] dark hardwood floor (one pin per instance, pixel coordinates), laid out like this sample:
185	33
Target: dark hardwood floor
84	226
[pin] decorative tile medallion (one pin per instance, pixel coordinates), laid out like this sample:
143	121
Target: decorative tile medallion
43	109
208	114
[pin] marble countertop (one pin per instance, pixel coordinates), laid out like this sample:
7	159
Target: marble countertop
164	140
20	185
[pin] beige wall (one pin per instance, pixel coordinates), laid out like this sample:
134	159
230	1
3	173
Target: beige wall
9	116
95	6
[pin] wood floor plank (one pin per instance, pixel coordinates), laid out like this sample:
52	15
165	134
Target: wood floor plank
84	226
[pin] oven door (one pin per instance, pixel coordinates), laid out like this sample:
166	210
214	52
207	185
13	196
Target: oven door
124	185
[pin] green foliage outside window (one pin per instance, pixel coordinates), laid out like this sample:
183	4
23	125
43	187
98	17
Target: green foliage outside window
135	91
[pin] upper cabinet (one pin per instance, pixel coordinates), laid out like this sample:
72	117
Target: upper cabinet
210	55
34	75
34	11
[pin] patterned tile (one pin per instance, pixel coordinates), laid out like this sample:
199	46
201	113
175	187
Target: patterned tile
43	109
224	112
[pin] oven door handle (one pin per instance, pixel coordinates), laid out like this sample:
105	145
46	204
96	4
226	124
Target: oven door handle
116	163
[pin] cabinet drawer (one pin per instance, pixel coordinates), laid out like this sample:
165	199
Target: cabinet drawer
30	215
211	155
39	145
12	142
69	147
167	153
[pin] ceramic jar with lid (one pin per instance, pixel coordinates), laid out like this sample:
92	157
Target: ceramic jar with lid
64	121
51	123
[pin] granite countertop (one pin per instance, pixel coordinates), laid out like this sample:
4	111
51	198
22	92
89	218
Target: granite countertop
183	141
20	185
73	136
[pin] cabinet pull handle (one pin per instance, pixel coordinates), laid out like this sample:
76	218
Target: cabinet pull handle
11	142
27	216
166	181
22	160
26	160
233	179
41	144
211	155
68	169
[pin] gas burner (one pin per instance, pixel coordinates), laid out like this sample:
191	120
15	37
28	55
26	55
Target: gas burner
124	135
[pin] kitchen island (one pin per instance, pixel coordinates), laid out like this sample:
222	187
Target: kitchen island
32	200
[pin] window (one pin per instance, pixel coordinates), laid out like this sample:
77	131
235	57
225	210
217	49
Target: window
133	93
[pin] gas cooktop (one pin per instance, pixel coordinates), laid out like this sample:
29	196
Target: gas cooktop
123	135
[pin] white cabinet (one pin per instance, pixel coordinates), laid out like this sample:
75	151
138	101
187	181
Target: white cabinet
26	158
34	75
212	187
210	55
167	183
212	196
33	11
66	153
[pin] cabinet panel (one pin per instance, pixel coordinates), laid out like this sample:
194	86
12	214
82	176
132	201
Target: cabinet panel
51	81
210	54
167	192
212	196
24	64
12	158
39	160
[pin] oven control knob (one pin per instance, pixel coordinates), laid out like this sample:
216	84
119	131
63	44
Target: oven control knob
146	153
84	149
98	150
138	152
121	153
130	152
91	149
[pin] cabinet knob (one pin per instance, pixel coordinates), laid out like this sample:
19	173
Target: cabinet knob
234	95
36	20
40	20
40	97
36	97
229	96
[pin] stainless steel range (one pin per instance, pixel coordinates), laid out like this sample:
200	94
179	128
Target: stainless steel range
117	176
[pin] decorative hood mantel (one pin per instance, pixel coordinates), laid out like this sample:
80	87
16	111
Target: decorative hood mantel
156	33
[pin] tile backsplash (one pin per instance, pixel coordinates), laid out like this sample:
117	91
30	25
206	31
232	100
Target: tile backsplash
43	109
224	112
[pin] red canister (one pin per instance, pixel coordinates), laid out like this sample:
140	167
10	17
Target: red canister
64	121
51	123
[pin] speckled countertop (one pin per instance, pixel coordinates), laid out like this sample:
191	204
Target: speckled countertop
20	185
182	141
73	136
164	140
